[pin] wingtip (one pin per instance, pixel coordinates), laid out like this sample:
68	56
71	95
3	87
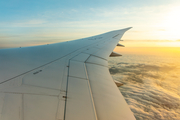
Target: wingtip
125	29
128	28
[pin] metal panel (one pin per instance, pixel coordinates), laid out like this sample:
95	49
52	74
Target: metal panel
91	50
77	69
109	103
81	57
2	95
29	58
13	87
106	50
12	107
38	107
49	76
79	101
96	60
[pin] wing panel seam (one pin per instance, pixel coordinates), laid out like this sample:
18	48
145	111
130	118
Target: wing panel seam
90	89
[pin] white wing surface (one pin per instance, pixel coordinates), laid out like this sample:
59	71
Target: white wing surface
62	81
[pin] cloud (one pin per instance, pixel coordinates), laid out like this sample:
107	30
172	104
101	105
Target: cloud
148	89
149	102
143	70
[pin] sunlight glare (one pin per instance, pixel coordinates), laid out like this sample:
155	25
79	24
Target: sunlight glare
171	25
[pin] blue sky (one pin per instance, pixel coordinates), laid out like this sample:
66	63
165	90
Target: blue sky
33	22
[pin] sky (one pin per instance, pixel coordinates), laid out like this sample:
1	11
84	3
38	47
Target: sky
35	22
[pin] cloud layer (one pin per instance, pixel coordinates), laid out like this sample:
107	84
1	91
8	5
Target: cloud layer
150	89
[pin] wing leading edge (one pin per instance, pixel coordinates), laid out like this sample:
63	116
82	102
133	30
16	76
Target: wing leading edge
63	81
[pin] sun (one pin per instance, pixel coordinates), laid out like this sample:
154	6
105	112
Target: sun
171	24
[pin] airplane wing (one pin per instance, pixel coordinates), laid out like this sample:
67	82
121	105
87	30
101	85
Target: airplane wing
62	81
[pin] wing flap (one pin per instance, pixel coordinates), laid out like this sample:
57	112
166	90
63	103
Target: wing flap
77	69
109	103
79	102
